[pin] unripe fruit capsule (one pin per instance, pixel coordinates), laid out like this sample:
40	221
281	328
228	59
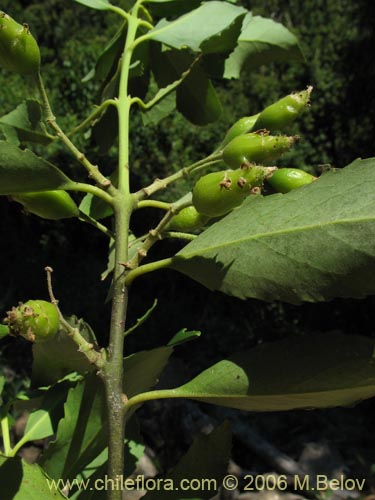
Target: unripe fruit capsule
284	180
188	219
242	126
218	193
53	205
256	148
283	113
19	50
36	320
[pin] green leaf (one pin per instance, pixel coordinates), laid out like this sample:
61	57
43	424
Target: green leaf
142	369
22	171
160	111
316	371
95	4
95	207
23	124
105	130
262	41
207	457
196	98
81	434
97	469
43	422
192	30
21	480
312	244
183	336
55	358
107	62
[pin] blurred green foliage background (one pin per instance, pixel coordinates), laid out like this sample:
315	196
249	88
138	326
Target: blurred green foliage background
337	39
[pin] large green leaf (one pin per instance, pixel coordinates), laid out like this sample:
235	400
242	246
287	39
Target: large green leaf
195	30
207	457
261	41
23	171
315	371
23	124
20	480
81	434
312	244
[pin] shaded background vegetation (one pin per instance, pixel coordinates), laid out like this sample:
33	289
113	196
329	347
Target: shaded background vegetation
337	39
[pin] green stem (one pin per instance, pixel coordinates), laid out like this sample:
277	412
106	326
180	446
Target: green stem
151	395
155	234
50	118
88	121
95	357
154	204
141	320
89	188
6	436
93	222
123	204
147	268
178	235
184	172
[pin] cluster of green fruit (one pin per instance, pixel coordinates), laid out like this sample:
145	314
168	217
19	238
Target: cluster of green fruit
247	147
247	150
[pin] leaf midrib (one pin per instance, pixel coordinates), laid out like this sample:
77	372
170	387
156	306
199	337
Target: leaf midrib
259	236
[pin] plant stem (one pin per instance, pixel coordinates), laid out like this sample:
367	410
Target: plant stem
95	357
158	184
88	121
6	436
154	204
89	188
93	222
123	204
147	268
179	235
50	118
155	234
151	395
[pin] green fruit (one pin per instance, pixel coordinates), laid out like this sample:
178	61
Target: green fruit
36	320
218	193
242	126
282	113
286	179
4	331
19	50
53	205
256	148
188	219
